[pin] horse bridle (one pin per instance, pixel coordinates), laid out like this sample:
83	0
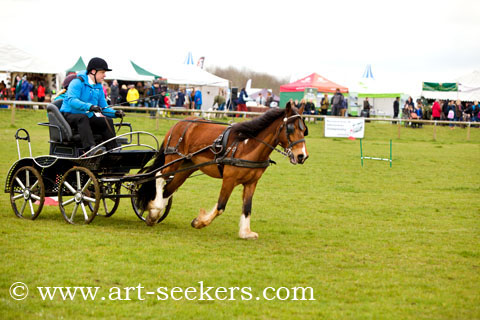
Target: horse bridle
289	129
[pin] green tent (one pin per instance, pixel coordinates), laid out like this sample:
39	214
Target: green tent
142	71
438	86
78	66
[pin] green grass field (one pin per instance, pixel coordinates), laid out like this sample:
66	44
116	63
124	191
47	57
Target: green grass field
372	242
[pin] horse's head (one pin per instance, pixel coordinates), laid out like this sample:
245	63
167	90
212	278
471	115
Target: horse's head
292	135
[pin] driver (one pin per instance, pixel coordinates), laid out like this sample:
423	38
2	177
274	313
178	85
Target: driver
86	109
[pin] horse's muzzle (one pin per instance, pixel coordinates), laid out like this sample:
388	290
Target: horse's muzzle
301	158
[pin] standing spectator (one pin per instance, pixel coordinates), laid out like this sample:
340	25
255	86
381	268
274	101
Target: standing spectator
451	113
445	106
26	89
3	91
153	96
343	111
396	107
198	99
41	92
123	94
475	111
337	102
310	107
18	87
366	107
192	99
162	101
458	111
269	101
180	101
410	104
419	112
436	110
324	104
241	106
132	96
105	89
114	93
166	99
141	89
219	100
260	100
3	86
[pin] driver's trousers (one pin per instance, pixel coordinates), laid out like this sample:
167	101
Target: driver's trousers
87	127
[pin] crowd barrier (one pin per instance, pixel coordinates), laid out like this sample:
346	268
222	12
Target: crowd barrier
167	113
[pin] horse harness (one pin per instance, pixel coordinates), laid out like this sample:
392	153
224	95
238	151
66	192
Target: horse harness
221	151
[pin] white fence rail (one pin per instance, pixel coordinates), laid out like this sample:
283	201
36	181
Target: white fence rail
209	113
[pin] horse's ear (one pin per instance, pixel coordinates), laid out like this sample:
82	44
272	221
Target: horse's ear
288	107
301	109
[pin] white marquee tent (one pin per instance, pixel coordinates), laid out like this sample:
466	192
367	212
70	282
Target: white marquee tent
189	75
13	59
468	89
379	95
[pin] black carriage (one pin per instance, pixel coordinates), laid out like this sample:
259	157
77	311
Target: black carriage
82	182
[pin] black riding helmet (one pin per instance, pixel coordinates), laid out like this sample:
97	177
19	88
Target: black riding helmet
97	64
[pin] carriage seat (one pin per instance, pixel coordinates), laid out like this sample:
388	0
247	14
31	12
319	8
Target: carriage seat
61	134
60	130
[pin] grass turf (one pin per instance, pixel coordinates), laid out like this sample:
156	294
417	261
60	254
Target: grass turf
372	242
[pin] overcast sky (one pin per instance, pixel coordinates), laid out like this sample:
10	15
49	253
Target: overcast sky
406	42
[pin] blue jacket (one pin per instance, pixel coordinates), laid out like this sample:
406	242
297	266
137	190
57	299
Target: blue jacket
198	98
243	95
81	95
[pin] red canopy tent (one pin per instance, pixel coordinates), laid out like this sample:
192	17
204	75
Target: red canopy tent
313	81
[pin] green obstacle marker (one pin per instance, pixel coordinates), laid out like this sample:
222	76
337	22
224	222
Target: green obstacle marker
375	158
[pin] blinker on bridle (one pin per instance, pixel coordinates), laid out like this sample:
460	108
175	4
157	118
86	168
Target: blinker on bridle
290	129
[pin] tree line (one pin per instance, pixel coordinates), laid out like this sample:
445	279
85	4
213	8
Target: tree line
239	77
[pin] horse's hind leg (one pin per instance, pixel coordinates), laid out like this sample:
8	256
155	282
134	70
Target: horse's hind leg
245	232
205	218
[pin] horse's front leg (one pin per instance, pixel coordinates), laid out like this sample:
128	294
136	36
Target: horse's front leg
245	232
205	218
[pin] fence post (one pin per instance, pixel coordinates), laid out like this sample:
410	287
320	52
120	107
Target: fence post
435	131
13	113
399	126
468	131
324	124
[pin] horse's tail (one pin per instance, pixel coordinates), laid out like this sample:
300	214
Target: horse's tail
148	190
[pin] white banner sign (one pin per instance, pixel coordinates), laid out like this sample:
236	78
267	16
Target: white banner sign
344	127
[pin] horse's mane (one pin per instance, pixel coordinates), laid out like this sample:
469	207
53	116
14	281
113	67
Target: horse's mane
252	128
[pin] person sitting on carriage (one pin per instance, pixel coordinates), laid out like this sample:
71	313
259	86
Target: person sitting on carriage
63	93
86	109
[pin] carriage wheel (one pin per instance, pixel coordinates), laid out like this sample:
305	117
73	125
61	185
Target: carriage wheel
27	190
78	189
110	205
142	214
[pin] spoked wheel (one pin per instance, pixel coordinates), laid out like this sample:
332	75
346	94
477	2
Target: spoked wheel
142	214
78	190
110	205
27	193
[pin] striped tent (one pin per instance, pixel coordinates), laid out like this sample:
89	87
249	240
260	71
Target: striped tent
189	59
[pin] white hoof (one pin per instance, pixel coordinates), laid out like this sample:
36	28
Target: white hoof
249	236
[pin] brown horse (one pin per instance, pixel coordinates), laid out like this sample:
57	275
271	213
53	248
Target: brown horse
239	155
